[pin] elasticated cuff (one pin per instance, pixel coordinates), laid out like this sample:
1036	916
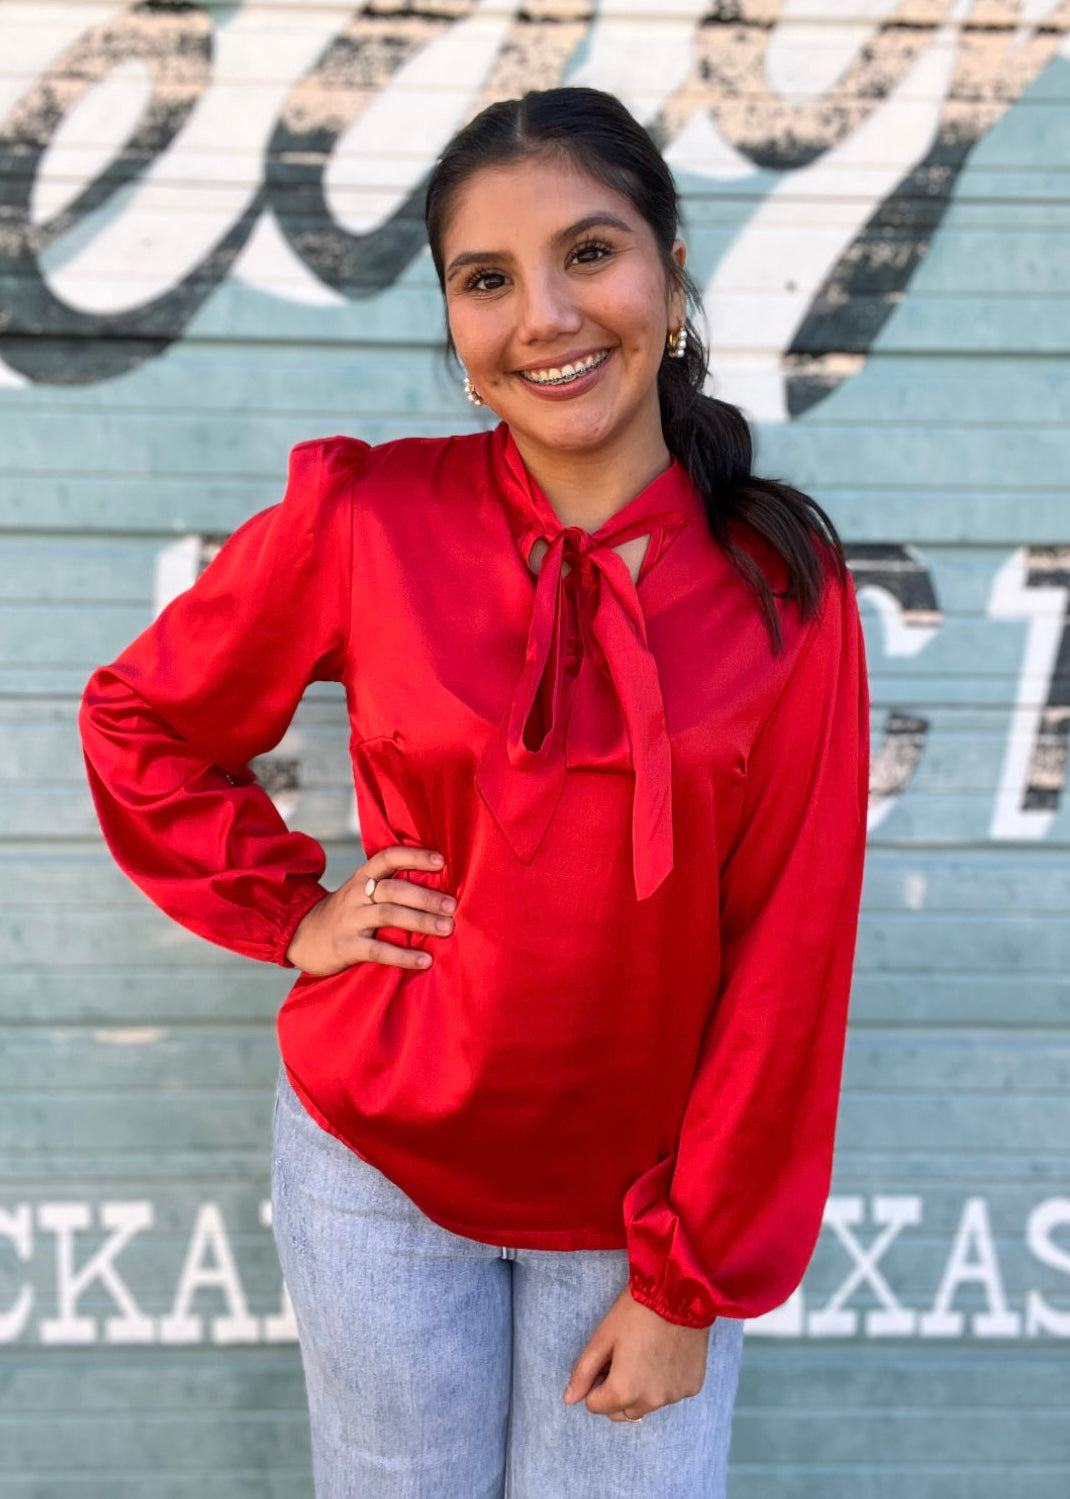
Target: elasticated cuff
679	1315
304	899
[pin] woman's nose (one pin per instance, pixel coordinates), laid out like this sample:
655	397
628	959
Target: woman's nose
547	309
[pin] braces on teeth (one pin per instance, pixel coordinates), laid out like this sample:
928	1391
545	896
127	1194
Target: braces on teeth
575	371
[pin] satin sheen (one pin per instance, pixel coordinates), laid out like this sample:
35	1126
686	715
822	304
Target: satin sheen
654	827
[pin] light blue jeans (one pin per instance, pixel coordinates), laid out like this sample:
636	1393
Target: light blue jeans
434	1364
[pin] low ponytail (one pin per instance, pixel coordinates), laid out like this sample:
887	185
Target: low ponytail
711	438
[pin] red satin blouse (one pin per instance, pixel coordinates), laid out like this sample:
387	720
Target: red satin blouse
654	827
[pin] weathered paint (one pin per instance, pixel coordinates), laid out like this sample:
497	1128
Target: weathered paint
210	248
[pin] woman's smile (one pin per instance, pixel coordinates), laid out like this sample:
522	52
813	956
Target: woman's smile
570	377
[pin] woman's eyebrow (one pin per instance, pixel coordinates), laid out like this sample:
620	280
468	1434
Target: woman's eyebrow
592	221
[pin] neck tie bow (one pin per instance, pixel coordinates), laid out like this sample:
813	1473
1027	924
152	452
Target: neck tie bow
592	612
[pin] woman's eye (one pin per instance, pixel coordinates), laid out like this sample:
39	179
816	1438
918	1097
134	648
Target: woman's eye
592	252
478	281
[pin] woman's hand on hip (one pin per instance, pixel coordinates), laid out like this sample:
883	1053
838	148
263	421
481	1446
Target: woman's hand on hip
339	930
636	1361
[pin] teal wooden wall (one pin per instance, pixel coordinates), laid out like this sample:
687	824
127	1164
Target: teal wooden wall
210	249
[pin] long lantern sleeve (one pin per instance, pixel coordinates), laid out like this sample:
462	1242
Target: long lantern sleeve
169	727
726	1225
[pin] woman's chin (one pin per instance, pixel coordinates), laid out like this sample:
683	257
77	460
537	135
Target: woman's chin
578	430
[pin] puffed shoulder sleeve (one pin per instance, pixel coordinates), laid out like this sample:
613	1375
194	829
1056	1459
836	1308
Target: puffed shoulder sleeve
727	1224
168	728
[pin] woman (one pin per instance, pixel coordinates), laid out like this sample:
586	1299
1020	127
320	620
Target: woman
561	1065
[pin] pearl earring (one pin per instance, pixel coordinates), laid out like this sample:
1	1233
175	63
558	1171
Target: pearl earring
471	392
677	343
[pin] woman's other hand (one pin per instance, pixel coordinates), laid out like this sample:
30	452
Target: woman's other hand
636	1361
339	930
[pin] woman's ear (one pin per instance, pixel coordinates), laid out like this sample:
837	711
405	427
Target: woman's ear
677	294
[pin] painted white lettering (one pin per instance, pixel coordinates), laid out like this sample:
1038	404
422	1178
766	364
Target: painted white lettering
972	1261
181	1326
1040	1316
17	1225
1034	585
835	1319
123	1220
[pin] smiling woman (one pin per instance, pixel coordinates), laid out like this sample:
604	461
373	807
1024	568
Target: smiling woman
562	329
561	1067
579	299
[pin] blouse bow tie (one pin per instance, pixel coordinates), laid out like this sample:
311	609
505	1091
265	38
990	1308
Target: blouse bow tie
593	613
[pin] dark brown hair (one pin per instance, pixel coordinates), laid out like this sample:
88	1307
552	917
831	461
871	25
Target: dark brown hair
710	437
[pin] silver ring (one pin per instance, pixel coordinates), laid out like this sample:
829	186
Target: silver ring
369	891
